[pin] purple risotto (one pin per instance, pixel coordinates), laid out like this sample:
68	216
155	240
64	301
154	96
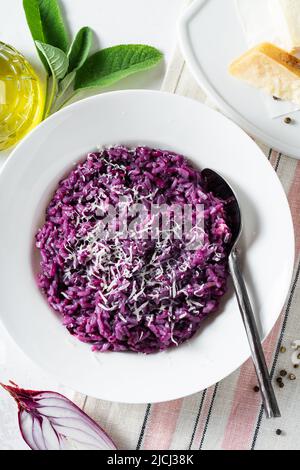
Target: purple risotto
134	252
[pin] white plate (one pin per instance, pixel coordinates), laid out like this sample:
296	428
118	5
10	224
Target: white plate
167	121
211	36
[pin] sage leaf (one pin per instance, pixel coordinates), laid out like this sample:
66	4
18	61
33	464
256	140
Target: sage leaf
56	59
66	82
46	24
114	63
80	48
64	89
34	20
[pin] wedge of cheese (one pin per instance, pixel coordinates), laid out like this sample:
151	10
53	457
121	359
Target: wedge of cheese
286	14
271	69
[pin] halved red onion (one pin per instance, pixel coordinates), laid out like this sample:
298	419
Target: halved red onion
50	421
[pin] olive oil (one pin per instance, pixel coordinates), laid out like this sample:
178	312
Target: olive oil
21	97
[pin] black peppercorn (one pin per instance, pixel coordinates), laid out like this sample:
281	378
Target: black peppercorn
278	432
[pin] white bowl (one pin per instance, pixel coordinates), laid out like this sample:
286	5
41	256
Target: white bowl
209	140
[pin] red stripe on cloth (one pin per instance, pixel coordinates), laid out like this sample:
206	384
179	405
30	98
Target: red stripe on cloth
202	418
162	425
246	404
294	200
274	158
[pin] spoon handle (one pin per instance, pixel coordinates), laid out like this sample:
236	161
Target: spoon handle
264	380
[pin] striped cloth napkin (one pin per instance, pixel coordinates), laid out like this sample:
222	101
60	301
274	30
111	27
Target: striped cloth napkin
228	415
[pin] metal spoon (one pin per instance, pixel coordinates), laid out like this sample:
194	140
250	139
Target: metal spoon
217	185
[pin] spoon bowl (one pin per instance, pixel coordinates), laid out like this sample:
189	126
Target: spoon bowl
221	188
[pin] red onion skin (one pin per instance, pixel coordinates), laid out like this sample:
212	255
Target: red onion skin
19	393
25	401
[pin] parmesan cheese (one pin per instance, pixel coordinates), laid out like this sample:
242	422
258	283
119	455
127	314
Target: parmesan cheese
271	69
